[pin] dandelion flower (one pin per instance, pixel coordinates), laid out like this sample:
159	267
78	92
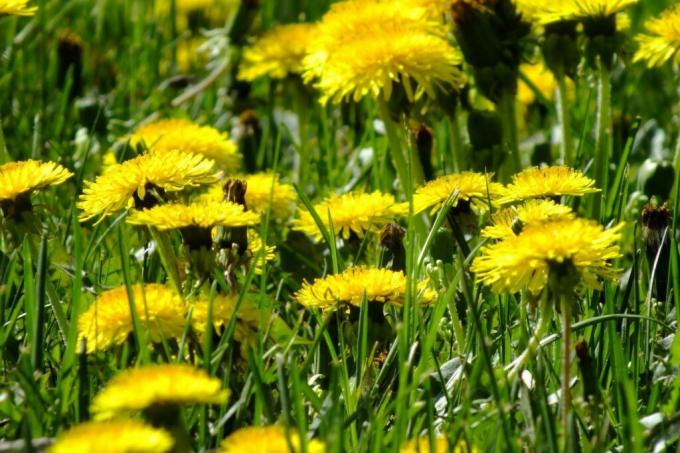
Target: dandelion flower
167	385
269	439
16	8
108	320
364	47
260	251
115	436
277	53
176	216
578	247
441	445
128	184
661	43
352	285
19	179
262	191
510	221
351	213
222	312
548	182
547	12
474	188
542	79
183	135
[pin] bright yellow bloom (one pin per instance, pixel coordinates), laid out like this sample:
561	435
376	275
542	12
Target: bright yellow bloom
352	285
364	46
257	246
16	8
137	389
22	178
277	53
260	189
267	439
247	318
176	216
115	436
441	445
549	11
548	182
510	221
353	212
475	188
526	260
543	80
108	321
661	43
121	185
183	135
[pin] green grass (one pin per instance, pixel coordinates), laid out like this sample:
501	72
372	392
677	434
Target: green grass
441	371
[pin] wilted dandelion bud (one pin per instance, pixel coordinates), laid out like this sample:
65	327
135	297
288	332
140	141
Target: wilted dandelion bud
70	54
656	232
392	240
236	237
424	142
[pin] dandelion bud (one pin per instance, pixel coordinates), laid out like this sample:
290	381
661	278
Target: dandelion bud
656	223
560	48
235	192
392	240
70	54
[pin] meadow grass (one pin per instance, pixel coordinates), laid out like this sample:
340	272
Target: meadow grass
443	368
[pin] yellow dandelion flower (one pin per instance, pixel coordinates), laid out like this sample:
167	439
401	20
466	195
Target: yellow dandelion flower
260	251
150	386
277	53
18	179
183	135
542	79
115	436
548	182
661	43
352	285
510	221
364	47
269	439
124	185
223	310
526	260
176	216
261	188
474	188
546	12
351	213
441	445
16	8
108	320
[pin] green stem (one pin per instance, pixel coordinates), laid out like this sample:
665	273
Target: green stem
168	257
602	134
567	144
508	115
457	147
566	365
535	341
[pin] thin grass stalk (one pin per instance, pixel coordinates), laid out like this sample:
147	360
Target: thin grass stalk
602	132
508	114
542	326
168	257
566	365
567	143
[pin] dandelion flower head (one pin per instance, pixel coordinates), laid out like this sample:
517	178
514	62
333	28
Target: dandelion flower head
270	439
548	182
108	321
115	436
526	260
127	184
277	53
163	385
184	135
22	178
16	8
174	216
510	221
661	43
354	212
441	445
222	312
352	285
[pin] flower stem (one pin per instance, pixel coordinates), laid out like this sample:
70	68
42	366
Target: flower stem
457	148
534	341
567	144
602	134
566	365
508	115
